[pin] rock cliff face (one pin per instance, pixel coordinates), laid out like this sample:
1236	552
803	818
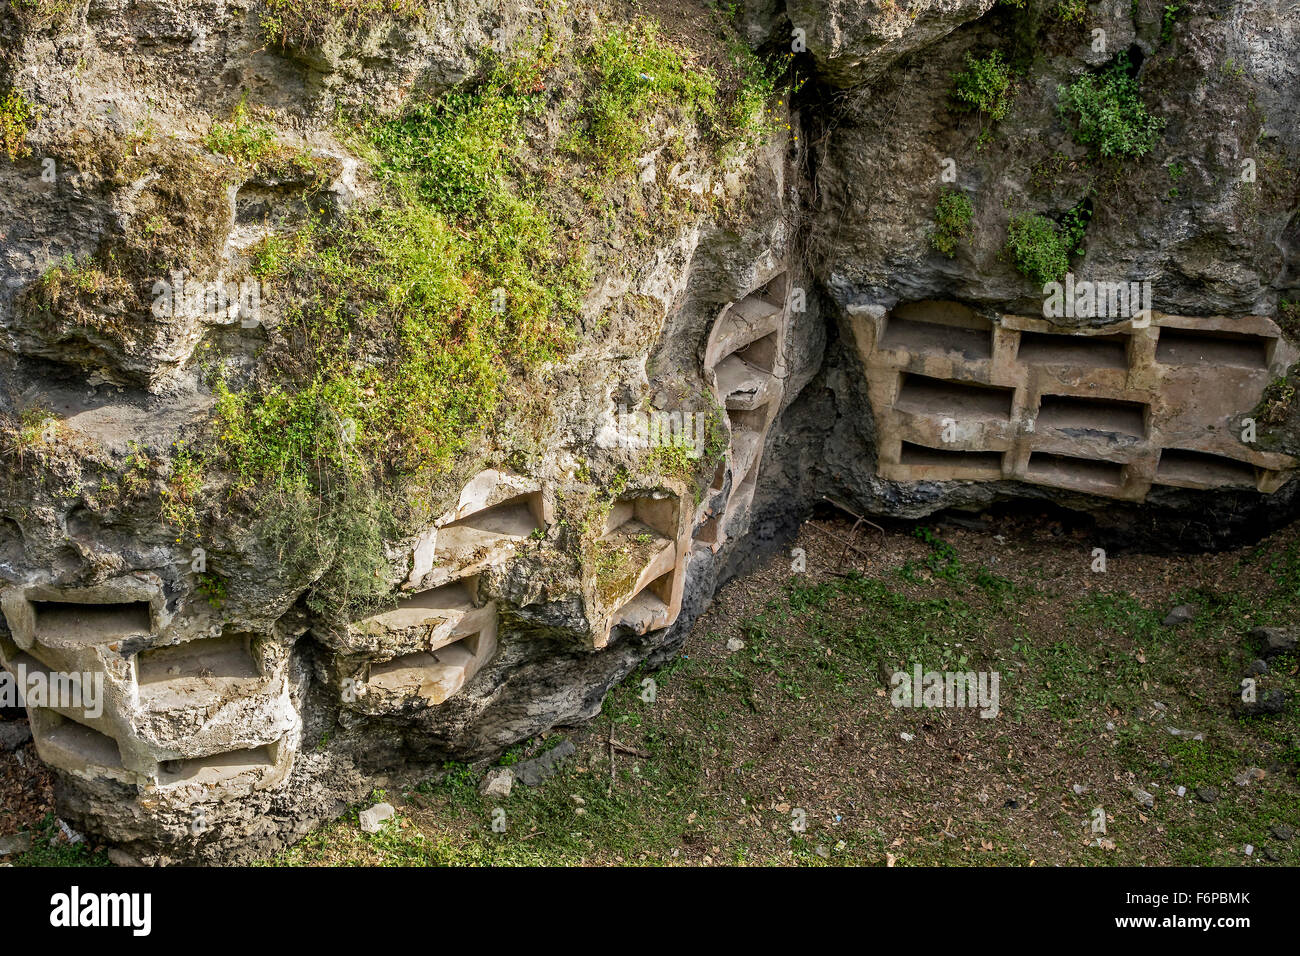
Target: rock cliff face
379	388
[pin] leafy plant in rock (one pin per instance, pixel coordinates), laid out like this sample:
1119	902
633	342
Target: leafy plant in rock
1106	113
952	219
984	87
16	118
1041	248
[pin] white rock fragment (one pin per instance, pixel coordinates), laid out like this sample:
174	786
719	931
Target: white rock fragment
497	782
376	815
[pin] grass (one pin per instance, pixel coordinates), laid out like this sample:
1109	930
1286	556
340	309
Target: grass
50	848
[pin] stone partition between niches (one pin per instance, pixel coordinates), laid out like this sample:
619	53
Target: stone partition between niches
1109	411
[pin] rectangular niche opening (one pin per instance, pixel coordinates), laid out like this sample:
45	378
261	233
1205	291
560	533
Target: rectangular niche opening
650	608
1202	468
740	327
511	520
70	745
219	768
434	675
1069	413
1090	351
939	398
90	623
938	327
197	673
708	532
1187	347
743	385
639	517
1068	470
455	598
761	353
923	456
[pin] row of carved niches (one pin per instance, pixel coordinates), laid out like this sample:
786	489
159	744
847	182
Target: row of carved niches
1108	410
423	651
128	698
441	633
745	360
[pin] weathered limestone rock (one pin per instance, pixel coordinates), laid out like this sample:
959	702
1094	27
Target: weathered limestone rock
793	311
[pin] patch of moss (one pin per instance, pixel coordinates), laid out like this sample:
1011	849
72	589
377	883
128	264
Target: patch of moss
302	24
177	225
39	14
254	147
636	74
16	118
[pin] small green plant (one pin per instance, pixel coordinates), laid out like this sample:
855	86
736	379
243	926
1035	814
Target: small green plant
180	492
254	146
1168	20
1108	115
16	118
212	587
952	219
1071	11
1275	404
1176	171
985	87
1041	248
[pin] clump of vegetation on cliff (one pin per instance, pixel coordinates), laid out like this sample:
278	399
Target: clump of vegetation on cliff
407	324
1041	248
1108	115
984	87
952	218
16	117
